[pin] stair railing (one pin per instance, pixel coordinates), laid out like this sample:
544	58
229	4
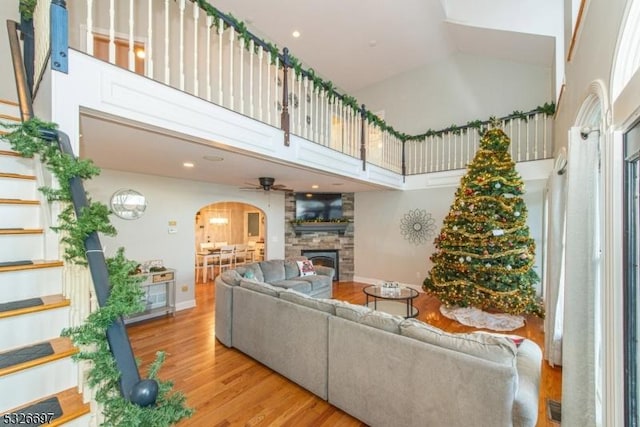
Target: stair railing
117	336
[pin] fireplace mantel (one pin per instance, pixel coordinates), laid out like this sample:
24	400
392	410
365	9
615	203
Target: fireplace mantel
315	227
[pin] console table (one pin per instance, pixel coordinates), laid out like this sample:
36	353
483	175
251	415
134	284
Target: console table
159	295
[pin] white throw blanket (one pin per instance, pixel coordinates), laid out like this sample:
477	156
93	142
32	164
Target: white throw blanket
472	316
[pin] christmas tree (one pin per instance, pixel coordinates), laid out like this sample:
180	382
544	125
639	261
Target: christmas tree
484	253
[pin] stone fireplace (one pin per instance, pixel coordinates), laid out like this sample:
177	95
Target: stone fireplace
337	244
325	257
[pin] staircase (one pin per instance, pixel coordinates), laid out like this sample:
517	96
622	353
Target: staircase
38	379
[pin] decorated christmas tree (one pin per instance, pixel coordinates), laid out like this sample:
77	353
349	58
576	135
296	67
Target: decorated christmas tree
484	254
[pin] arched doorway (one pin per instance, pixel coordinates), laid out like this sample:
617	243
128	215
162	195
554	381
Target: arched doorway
228	224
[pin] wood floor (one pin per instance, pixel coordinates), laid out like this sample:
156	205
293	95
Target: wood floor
227	388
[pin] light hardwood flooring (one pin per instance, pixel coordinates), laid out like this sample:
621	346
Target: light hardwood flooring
227	388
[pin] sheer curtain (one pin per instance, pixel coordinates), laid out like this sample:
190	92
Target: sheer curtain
582	282
554	273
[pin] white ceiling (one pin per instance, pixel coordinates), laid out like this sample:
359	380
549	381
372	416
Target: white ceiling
352	43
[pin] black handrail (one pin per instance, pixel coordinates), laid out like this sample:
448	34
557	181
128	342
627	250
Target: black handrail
141	392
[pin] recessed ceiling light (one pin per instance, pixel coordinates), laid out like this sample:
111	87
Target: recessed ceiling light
314	186
213	158
296	34
140	53
188	164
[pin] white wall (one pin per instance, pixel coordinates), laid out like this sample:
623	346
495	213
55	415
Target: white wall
177	200
460	89
8	10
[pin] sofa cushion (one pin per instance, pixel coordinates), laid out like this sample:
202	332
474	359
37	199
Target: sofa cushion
273	270
291	266
489	347
326	305
231	277
351	311
298	285
317	282
254	267
262	287
381	320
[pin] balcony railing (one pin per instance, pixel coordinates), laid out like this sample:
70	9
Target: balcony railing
193	47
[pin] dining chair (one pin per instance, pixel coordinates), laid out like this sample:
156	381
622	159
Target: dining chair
226	258
241	254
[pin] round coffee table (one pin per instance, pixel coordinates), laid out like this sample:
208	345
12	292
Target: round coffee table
397	301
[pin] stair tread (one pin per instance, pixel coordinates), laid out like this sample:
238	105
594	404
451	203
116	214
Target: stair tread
16	176
9	102
37	264
9	231
11	153
19	202
50	302
62	347
71	402
11	118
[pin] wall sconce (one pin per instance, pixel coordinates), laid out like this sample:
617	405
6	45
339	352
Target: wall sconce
218	221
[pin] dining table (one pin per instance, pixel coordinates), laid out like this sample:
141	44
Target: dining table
207	257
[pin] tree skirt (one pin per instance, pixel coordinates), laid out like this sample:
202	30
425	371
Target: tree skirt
472	316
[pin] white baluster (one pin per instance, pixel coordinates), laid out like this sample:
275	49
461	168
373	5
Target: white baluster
292	99
544	129
528	139
305	125
209	21
232	34
535	153
260	65
112	32
241	72
313	131
167	62
132	53
196	18
455	151
220	31
269	106
149	45
251	56
89	35
276	89
181	44
322	119
300	102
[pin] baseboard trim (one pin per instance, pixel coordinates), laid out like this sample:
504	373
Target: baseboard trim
184	305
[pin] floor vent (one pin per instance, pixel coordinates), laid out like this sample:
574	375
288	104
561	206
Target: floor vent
554	410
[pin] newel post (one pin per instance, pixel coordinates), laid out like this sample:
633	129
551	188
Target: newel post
363	140
284	118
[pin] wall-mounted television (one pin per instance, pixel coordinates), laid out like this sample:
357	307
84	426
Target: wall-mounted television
314	206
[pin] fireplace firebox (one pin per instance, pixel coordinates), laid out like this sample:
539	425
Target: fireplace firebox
324	257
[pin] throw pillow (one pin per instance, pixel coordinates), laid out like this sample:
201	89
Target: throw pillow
249	274
306	268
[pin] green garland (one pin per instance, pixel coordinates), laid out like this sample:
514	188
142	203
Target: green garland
26	8
125	296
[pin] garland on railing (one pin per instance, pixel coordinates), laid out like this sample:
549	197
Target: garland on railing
125	295
481	126
27	7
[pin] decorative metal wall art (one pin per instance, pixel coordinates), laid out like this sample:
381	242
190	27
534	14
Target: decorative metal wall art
417	226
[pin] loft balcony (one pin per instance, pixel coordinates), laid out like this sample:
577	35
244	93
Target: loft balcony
221	74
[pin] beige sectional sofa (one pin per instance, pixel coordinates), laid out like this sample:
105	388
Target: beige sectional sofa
382	369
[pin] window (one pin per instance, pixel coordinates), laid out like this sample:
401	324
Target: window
632	275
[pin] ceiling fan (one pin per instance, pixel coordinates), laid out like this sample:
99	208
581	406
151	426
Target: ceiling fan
267	184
